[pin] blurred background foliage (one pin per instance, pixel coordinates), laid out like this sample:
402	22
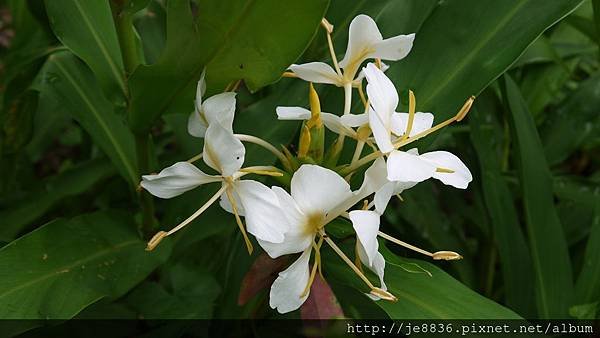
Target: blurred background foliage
95	93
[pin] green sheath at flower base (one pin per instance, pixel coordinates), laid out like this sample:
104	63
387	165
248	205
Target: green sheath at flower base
312	136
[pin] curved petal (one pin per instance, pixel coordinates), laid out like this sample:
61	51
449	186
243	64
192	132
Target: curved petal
225	203
366	225
196	124
377	266
406	167
375	177
363	34
292	113
318	190
461	176
381	133
222	150
361	74
394	48
421	122
354	120
383	196
381	91
200	89
334	123
220	108
176	179
264	217
287	289
317	72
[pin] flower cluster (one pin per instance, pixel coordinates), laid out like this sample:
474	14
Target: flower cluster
295	221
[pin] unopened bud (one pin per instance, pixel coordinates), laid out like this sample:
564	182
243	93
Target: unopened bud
304	143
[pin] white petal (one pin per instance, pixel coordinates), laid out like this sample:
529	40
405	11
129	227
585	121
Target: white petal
363	34
334	123
361	75
355	120
175	180
317	72
381	91
263	213
381	133
394	48
290	284
461	176
366	225
220	108
375	177
222	150
421	122
196	124
318	190
406	167
226	204
378	267
200	89
292	113
383	196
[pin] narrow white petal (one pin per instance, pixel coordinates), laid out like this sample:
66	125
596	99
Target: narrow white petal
355	120
421	122
220	108
381	133
381	91
222	150
317	72
366	225
334	123
361	75
461	176
292	113
318	190
286	291
383	196
196	124
175	180
226	204
406	167
378	267
264	216
375	177
394	48
363	35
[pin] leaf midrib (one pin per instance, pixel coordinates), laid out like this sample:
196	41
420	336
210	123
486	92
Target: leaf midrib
96	114
67	268
116	73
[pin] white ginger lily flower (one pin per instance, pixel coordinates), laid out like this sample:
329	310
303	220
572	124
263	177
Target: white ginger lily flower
219	108
251	199
387	126
364	42
318	195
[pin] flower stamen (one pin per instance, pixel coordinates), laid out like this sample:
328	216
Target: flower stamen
239	221
440	255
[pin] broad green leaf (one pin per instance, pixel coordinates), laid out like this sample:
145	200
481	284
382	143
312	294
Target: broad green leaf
62	267
549	253
456	52
72	182
66	79
87	29
572	123
587	288
233	40
421	296
515	260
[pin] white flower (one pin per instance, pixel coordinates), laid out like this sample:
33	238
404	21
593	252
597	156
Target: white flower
224	153
219	108
364	42
387	126
315	193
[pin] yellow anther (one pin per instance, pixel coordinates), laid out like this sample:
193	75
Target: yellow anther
383	294
327	26
262	172
465	109
363	132
445	170
412	104
155	240
289	74
446	255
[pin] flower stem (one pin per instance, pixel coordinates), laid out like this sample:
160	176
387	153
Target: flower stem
268	146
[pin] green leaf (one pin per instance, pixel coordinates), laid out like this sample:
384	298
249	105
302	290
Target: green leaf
59	269
66	79
17	215
587	288
421	296
551	263
87	29
445	69
515	260
233	40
